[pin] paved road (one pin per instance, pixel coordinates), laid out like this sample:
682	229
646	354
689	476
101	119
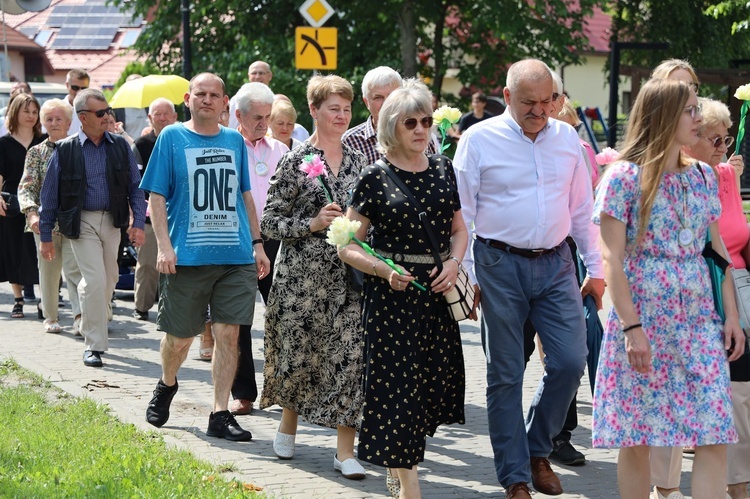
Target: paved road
458	461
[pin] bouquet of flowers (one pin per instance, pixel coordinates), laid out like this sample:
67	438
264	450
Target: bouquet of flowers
607	156
743	94
315	168
445	117
341	232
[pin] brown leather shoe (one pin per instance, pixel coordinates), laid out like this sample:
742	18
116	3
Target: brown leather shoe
543	478
518	491
241	407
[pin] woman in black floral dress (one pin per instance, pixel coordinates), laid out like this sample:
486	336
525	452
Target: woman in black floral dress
414	369
313	334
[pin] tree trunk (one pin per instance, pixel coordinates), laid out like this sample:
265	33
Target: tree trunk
408	40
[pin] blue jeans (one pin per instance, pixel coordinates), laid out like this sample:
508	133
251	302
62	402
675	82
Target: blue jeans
545	290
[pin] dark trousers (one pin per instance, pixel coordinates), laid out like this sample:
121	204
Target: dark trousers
529	332
244	386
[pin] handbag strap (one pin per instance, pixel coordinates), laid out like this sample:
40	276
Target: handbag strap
420	210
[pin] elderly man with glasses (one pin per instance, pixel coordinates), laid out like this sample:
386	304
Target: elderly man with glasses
90	188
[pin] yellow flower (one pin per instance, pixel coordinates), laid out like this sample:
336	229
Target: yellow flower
743	92
446	113
342	230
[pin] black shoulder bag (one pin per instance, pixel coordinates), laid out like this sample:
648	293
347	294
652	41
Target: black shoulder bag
461	298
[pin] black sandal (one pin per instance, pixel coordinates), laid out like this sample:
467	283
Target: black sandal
17	312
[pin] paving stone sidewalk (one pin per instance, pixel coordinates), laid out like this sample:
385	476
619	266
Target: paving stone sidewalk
458	463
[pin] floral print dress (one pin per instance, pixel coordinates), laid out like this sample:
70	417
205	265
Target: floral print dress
684	400
414	365
313	334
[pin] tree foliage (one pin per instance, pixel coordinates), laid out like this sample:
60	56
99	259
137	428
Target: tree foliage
479	38
689	26
736	10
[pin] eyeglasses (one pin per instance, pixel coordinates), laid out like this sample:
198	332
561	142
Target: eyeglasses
77	88
258	73
411	123
694	110
99	114
717	141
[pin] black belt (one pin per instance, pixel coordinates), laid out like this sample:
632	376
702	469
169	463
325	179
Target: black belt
526	253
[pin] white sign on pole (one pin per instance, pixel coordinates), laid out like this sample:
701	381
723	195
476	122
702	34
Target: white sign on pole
316	12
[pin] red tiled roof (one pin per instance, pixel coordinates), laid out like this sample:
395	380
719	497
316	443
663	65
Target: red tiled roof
19	41
598	28
104	66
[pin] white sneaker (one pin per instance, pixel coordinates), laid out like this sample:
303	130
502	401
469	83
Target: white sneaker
76	329
350	468
283	445
672	495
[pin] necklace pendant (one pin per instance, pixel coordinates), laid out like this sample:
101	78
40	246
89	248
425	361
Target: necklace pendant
685	237
261	168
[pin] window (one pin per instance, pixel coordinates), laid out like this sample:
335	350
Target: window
130	37
43	37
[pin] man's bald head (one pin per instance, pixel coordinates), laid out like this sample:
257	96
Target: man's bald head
527	70
259	71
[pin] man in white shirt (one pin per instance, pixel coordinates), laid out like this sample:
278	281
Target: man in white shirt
524	187
254	102
76	80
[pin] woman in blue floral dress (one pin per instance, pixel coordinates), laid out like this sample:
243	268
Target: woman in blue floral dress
663	377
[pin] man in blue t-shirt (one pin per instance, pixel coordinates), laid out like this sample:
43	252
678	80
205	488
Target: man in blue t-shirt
206	229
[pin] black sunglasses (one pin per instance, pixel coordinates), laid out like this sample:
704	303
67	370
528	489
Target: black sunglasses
77	88
99	114
411	123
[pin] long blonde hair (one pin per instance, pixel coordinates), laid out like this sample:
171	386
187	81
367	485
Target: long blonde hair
652	126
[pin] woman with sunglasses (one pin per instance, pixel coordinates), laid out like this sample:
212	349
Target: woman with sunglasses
313	340
414	370
662	379
711	148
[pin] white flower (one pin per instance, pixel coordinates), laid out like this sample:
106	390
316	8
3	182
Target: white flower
743	92
342	230
446	113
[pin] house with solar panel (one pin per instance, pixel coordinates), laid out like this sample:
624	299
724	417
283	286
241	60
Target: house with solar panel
83	34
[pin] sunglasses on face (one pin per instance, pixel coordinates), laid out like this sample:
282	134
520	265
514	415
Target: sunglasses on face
77	88
717	141
100	113
411	123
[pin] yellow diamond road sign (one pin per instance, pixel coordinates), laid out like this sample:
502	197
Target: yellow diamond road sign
316	12
315	48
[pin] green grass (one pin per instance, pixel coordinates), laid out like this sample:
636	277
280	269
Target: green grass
53	445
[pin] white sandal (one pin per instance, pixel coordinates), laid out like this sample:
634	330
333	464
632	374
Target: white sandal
52	327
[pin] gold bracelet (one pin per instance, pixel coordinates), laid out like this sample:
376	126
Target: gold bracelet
374	268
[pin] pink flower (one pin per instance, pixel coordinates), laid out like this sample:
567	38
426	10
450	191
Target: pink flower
607	156
314	166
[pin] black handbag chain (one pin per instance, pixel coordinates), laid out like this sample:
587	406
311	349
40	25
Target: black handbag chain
420	210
